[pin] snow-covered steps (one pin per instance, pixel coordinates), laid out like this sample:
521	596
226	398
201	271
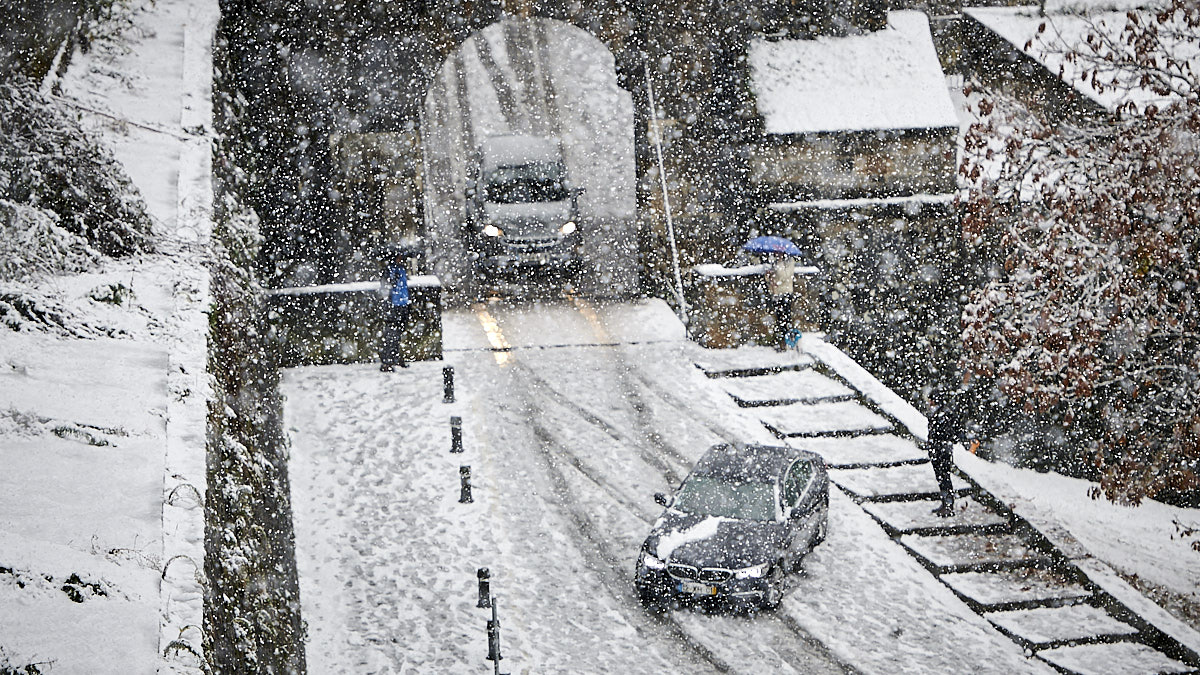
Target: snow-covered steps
785	387
1016	589
749	361
839	418
917	517
975	552
1048	627
893	483
1120	658
1041	589
856	452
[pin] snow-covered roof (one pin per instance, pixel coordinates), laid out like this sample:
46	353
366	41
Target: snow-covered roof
888	79
1064	33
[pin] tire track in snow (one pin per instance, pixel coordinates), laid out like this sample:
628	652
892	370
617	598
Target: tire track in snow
777	633
670	473
592	545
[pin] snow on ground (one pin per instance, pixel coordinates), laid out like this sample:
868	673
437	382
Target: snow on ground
887	79
1137	540
588	411
102	420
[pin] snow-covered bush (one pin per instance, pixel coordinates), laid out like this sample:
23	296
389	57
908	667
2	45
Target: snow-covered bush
9	667
32	242
48	163
1094	320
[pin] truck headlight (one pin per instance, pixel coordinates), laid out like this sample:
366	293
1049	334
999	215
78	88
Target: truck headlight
493	231
568	228
755	572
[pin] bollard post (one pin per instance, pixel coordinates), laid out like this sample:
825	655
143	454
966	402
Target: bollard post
485	587
456	444
448	384
464	476
493	635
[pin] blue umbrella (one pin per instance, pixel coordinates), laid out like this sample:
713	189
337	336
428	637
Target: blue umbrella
771	245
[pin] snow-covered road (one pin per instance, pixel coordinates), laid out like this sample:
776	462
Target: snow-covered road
574	414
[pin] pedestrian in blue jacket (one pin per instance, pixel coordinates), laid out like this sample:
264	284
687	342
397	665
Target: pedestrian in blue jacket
395	318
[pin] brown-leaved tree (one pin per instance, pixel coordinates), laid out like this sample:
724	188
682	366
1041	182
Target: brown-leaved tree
1094	320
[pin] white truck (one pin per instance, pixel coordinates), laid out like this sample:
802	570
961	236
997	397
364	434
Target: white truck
522	213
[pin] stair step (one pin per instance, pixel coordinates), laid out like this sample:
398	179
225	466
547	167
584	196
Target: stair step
785	387
862	451
907	517
1059	624
1003	589
910	479
823	419
1118	658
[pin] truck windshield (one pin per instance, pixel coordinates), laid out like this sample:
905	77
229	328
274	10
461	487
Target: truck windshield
534	182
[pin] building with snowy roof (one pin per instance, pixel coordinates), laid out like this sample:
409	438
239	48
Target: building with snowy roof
854	157
1004	47
862	116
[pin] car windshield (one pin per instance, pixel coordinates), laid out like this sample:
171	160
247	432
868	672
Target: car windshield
712	496
533	182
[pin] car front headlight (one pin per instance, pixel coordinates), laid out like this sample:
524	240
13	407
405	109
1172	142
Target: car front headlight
650	562
568	228
755	572
493	231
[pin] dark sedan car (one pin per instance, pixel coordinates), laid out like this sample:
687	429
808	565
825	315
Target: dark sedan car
741	520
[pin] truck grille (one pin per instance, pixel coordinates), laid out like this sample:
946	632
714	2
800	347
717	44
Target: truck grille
531	243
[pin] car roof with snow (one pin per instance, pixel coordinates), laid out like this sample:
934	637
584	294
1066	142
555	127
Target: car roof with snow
748	462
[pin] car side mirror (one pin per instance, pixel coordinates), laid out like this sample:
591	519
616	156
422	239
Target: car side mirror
662	499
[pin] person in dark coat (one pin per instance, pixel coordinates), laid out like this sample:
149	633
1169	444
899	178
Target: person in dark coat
395	318
946	427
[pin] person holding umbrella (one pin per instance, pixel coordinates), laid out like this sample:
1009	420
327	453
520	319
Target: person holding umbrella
780	255
395	285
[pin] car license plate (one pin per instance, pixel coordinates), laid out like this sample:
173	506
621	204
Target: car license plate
696	589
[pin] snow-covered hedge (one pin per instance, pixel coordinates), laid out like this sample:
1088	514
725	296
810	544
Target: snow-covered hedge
33	242
60	189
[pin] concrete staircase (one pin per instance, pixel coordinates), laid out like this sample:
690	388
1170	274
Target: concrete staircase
1045	593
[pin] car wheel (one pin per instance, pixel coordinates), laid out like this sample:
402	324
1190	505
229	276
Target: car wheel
822	530
774	593
651	599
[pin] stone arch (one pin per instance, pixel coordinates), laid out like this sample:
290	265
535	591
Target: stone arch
541	77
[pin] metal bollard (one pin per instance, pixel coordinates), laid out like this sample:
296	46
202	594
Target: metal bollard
493	634
464	476
485	587
456	444
448	384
